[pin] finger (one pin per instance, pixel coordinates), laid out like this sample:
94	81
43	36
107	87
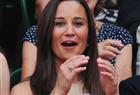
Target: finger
74	58
106	68
70	66
112	42
112	49
105	65
70	75
78	70
108	55
107	74
71	61
103	61
80	62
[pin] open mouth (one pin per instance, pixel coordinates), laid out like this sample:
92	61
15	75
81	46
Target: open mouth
69	44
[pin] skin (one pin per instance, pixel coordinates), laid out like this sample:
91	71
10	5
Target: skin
4	76
107	51
29	50
40	5
69	27
29	60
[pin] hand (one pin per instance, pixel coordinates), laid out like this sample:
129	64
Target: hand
108	77
68	72
108	48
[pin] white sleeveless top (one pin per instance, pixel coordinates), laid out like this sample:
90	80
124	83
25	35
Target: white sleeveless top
77	89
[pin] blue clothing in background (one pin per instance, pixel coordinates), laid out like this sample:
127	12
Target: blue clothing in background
31	35
111	31
107	31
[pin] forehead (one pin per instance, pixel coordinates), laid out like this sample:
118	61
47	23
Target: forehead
70	7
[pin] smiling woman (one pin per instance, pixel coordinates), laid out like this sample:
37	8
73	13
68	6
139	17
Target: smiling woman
65	64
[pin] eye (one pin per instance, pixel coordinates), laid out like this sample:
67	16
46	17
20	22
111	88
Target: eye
78	23
59	23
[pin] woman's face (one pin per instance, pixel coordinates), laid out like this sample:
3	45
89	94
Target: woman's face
91	4
70	32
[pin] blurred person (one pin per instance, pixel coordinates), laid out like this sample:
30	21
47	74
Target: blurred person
4	75
67	53
138	52
129	18
115	41
29	49
130	86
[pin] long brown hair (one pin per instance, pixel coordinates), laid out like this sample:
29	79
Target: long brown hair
43	80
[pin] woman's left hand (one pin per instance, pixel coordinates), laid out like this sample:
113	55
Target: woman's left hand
108	77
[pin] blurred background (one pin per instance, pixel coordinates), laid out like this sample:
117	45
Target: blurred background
16	16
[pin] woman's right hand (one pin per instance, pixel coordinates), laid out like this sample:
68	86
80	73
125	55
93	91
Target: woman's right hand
108	49
68	73
108	77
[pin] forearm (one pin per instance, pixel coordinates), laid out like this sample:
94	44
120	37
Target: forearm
124	63
29	53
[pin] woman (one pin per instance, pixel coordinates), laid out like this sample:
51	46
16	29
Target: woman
29	51
29	45
67	53
114	44
121	53
4	75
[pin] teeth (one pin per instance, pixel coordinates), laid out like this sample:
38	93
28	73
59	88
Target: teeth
69	44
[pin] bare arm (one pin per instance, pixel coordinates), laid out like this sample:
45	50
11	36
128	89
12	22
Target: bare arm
123	63
4	75
22	89
29	53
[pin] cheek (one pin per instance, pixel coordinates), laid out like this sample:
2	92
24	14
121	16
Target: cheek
84	35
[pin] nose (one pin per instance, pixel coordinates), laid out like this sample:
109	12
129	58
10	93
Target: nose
69	31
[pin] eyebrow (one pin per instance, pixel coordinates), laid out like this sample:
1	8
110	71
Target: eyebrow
59	18
78	18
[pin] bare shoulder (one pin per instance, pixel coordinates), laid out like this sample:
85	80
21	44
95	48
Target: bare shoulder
4	76
2	58
22	88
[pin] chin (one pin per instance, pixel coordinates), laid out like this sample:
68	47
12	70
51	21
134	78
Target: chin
67	56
